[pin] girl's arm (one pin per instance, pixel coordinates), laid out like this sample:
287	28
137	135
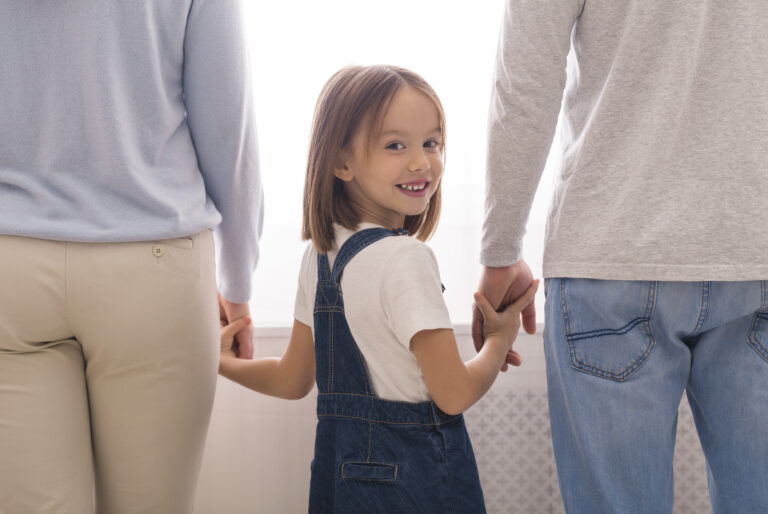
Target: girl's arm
455	385
290	376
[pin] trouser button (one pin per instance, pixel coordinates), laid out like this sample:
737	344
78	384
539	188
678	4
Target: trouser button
158	250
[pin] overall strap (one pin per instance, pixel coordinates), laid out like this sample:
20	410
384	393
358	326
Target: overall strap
356	243
339	365
323	269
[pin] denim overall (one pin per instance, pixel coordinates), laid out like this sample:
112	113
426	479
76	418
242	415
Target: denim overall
374	455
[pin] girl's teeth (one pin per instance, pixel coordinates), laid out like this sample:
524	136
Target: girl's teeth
413	188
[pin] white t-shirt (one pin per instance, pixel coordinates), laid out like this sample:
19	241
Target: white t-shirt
392	290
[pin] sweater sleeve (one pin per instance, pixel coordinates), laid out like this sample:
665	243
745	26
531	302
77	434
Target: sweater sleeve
529	79
220	114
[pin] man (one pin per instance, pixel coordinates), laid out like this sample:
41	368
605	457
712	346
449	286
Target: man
656	254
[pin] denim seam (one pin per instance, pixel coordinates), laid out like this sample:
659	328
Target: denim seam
764	297
760	317
370	479
330	352
322	292
370	436
336	310
383	422
704	309
591	370
354	394
323	269
649	310
592	334
361	363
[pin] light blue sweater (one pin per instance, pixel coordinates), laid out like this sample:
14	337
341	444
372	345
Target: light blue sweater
130	120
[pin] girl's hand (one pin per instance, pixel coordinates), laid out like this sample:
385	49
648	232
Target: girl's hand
228	332
505	324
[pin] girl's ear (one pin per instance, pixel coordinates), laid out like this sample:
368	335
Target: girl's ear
343	171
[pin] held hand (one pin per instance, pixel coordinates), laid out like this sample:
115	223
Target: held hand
243	338
505	324
503	286
228	333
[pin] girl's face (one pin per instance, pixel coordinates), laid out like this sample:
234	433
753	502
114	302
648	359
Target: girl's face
398	173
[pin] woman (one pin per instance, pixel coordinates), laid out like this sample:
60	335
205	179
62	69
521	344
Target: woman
126	135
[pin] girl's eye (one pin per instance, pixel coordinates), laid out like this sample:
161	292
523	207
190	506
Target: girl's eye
395	146
432	144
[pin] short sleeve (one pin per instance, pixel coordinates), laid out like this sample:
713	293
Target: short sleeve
303	309
412	294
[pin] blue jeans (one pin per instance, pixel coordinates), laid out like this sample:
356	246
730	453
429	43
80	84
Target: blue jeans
619	356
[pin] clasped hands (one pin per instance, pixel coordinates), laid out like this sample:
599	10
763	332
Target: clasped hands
502	286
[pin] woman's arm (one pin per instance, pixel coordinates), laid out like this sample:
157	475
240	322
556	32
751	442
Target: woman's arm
455	385
290	376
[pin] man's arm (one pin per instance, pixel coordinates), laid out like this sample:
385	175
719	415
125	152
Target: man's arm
529	79
527	92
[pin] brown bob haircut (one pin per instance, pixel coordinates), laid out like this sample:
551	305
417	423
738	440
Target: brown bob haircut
354	98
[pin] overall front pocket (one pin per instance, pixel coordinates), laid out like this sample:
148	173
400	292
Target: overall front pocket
608	325
371	471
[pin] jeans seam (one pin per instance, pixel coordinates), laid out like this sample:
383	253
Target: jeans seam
764	307
760	316
704	309
592	334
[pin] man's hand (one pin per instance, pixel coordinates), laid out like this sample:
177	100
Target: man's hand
502	286
229	312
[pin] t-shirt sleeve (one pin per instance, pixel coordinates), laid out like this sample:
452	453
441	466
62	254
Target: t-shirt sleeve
411	292
304	308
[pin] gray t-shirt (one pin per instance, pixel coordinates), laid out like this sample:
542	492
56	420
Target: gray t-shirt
664	135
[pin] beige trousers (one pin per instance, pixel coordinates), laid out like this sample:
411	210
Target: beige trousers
108	361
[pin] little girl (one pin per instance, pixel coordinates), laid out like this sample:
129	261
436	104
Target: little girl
371	327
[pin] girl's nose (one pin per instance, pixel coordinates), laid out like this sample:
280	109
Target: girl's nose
418	161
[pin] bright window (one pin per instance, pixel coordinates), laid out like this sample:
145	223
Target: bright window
296	46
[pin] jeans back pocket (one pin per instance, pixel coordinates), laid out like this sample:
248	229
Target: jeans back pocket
607	325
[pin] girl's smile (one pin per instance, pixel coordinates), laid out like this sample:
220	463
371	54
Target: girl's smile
417	188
